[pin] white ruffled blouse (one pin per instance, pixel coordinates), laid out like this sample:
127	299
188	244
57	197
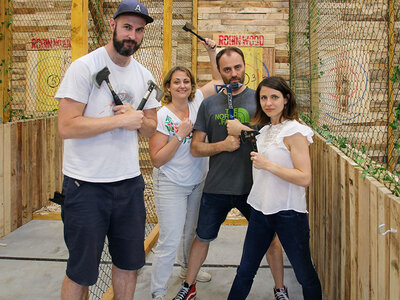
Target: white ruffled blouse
269	193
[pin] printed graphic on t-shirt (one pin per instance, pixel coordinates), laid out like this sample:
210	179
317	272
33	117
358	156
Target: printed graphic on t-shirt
125	97
239	113
173	127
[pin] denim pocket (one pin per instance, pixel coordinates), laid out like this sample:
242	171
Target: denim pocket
70	188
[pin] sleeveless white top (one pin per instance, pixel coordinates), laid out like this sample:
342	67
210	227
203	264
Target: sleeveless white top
269	193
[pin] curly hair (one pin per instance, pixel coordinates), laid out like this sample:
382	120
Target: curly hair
167	82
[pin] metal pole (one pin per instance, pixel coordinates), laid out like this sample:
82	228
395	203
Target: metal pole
391	41
314	64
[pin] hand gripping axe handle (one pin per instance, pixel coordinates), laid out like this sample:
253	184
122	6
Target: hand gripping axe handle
101	76
151	86
228	87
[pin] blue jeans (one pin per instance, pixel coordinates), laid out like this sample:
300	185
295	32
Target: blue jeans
177	211
294	233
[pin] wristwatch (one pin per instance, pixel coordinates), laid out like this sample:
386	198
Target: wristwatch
179	138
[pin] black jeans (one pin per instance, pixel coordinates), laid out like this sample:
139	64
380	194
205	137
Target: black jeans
294	234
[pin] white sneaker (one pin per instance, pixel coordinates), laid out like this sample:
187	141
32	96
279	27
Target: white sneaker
159	297
202	276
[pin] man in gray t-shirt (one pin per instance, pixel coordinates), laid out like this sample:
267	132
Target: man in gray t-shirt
229	178
229	171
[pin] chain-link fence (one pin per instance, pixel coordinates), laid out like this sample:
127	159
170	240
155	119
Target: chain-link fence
41	52
345	72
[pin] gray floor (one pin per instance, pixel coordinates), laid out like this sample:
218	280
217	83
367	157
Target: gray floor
33	261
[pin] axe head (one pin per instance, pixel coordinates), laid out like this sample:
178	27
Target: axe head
100	76
188	27
230	86
249	136
153	86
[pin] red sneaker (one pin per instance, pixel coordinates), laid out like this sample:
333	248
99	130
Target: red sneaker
187	292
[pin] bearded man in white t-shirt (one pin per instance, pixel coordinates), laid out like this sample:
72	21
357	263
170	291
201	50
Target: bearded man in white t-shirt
103	186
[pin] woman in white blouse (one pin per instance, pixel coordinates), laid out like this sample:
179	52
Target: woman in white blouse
281	171
178	177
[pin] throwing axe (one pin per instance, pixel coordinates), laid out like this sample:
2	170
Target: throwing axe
229	87
101	76
151	86
189	28
249	136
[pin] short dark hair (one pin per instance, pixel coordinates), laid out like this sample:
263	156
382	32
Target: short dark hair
289	110
228	50
167	83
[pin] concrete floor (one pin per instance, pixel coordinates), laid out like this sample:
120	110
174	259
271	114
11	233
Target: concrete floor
33	265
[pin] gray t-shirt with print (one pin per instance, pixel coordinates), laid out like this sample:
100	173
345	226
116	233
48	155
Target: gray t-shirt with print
230	173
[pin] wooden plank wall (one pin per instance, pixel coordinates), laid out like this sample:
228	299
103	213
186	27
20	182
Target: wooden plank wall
30	169
245	17
353	261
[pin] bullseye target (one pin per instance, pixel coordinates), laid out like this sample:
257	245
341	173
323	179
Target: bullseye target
344	86
254	66
46	73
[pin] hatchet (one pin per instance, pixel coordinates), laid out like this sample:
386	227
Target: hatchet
151	86
189	28
101	76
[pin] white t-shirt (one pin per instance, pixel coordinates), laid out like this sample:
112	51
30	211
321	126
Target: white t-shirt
269	193
113	155
182	168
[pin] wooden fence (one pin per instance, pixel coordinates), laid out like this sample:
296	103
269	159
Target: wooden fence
30	169
352	259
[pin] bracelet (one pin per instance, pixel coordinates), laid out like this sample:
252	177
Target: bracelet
179	138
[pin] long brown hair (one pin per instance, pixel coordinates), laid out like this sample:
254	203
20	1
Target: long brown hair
167	83
289	110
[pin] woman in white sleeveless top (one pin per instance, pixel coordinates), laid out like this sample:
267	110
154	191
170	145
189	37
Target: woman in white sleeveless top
281	171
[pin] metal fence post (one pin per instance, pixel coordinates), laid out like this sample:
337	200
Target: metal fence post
314	63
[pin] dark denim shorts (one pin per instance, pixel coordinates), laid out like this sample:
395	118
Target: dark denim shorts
91	212
213	211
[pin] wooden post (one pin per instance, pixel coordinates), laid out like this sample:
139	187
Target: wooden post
194	40
391	43
79	28
5	64
167	36
96	11
314	62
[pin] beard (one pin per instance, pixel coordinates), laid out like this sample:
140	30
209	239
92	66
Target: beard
239	79
121	49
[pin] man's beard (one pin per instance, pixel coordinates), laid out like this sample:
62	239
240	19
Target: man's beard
236	79
121	49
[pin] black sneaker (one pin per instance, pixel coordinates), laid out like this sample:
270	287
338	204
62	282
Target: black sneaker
281	294
186	292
